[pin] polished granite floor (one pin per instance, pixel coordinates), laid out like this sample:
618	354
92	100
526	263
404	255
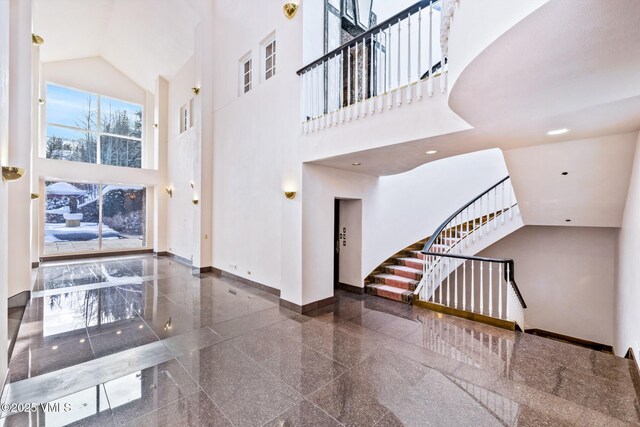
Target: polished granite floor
142	342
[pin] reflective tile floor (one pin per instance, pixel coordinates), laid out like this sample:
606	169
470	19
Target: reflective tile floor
140	341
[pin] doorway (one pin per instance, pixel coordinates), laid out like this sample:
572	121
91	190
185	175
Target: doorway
347	241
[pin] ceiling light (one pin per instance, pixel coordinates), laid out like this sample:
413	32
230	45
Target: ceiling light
432	152
557	132
55	347
119	332
82	340
356	164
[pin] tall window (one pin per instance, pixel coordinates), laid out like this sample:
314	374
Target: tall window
90	128
270	59
246	76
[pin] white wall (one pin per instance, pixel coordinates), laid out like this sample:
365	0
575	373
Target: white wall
566	276
478	24
397	210
181	154
628	271
350	246
4	157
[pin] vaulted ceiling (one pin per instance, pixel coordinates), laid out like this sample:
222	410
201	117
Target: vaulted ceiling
137	37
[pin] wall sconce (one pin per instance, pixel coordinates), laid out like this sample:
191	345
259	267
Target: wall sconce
290	195
169	191
290	8
41	101
195	200
36	39
155	126
34	196
192	184
195	90
10	173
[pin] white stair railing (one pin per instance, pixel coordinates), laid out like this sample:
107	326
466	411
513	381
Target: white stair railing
377	70
481	285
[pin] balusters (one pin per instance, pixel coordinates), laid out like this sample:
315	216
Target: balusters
473	288
495	207
419	85
500	290
409	59
507	284
389	95
490	289
510	204
448	282
455	289
481	287
464	285
398	95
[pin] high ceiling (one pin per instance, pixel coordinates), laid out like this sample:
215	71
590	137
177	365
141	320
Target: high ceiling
137	37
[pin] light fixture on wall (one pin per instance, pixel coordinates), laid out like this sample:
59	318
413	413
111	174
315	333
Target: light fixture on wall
155	126
432	152
290	8
41	101
34	196
10	173
195	90
556	132
195	200
36	39
169	191
290	195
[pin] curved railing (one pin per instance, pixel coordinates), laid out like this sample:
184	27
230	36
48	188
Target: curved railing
454	279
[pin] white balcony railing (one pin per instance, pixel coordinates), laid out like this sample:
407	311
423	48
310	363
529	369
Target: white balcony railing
377	70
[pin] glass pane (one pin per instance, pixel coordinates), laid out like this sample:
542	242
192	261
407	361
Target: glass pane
273	44
269	49
247	66
71	107
120	118
71	218
65	144
269	64
123	217
364	13
116	151
268	74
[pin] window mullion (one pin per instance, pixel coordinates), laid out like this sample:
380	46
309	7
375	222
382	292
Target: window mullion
98	144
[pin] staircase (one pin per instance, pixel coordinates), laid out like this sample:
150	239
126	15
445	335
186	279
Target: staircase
398	277
443	271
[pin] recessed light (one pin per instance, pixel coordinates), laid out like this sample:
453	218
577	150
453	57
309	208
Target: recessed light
141	326
82	340
565	173
432	152
557	132
356	164
55	347
119	332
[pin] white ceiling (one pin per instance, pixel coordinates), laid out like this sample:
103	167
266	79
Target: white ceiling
137	37
594	191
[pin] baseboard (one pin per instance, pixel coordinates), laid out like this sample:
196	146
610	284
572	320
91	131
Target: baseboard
35	264
253	284
94	255
504	324
302	309
19	300
351	288
200	270
604	348
174	257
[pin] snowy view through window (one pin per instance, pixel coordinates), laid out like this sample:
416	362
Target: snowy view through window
89	128
73	212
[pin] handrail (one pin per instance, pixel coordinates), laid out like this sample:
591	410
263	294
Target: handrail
386	23
442	226
509	274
